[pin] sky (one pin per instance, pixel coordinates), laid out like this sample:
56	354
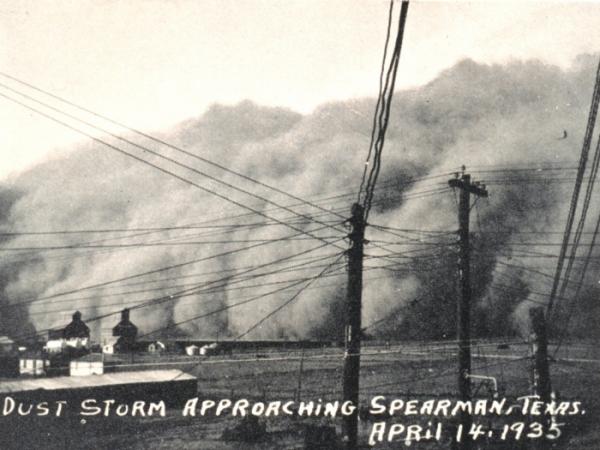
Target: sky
153	63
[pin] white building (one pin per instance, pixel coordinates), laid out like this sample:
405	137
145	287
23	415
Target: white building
192	350
33	366
86	366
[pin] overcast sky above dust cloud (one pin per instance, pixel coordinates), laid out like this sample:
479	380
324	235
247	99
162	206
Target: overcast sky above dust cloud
151	63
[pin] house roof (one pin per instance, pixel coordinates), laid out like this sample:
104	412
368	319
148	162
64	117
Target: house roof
107	379
94	357
4	340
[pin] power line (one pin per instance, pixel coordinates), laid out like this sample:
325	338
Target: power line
184	293
575	197
167	158
227	227
580	284
160	156
150	272
379	99
155	244
308	260
225	287
153	138
581	224
166	171
525	169
383	114
252	299
103	285
290	300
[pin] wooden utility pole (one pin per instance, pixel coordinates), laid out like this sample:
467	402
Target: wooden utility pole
464	302
540	372
539	348
352	329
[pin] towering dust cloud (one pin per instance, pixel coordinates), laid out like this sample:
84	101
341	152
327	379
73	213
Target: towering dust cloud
482	116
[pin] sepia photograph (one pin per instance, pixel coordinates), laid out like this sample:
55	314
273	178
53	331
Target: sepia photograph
299	225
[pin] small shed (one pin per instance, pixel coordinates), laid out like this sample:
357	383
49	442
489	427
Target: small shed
7	345
88	365
192	350
109	346
210	349
156	346
32	365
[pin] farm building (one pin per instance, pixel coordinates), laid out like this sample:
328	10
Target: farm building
74	338
33	365
77	328
126	333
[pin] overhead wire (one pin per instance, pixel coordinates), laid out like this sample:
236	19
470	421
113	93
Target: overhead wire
225	287
250	300
161	169
159	141
575	196
379	99
227	281
384	111
580	226
143	274
183	293
289	301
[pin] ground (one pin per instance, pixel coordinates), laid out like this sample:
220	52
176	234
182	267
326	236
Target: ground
401	370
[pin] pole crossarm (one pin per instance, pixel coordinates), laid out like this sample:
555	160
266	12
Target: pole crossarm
475	189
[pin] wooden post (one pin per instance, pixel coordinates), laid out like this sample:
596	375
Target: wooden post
463	318
353	327
540	371
539	345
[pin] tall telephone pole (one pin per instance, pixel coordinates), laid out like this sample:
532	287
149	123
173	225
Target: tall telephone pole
540	372
464	302
352	329
539	349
